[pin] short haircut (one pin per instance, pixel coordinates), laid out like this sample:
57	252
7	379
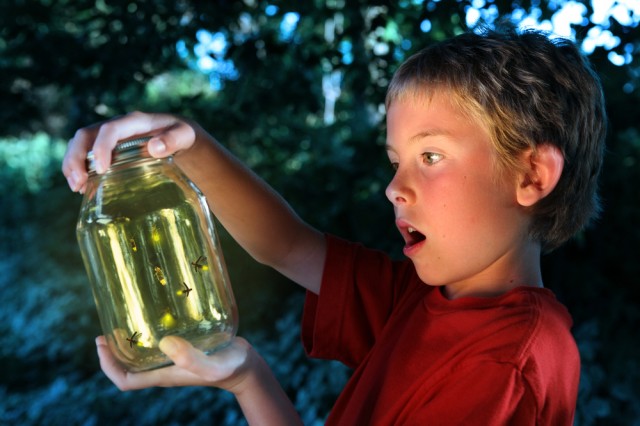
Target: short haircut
527	89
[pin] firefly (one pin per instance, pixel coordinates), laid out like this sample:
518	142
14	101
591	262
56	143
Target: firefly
133	339
159	275
186	290
200	264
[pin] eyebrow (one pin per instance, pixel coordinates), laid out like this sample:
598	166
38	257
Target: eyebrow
421	135
427	133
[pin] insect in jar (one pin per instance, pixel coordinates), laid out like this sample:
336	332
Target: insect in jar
155	235
186	290
200	264
133	245
159	275
133	339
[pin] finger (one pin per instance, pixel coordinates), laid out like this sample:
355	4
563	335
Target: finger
183	354
125	127
180	135
170	134
125	380
82	188
222	368
74	162
109	365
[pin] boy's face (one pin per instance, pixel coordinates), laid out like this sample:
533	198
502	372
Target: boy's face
462	225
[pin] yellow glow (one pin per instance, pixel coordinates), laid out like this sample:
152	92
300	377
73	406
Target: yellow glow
155	235
167	320
185	291
200	264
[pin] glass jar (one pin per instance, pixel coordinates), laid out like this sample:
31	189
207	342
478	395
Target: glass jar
150	247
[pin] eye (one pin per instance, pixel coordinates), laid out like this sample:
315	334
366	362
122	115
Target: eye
431	158
394	166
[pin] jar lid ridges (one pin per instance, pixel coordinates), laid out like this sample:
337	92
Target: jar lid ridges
125	150
126	145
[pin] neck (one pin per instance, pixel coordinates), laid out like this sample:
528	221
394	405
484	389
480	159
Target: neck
519	268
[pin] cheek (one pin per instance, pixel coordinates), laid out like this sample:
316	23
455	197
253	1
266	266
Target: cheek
473	205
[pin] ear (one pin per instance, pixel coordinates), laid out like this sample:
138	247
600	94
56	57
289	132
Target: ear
541	173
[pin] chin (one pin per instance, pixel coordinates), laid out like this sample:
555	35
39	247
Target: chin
430	279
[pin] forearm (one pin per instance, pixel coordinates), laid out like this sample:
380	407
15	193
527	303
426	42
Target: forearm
253	213
245	205
262	399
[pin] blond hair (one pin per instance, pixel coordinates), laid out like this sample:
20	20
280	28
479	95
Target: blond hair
526	89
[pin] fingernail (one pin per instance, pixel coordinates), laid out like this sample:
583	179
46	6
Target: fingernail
100	167
168	345
73	181
157	147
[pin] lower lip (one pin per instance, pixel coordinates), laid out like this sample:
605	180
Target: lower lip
411	249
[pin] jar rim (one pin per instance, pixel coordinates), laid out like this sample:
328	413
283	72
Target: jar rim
124	151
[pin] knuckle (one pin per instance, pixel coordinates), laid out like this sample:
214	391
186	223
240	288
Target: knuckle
108	127
81	133
136	114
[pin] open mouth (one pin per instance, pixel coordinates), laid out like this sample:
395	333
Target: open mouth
413	236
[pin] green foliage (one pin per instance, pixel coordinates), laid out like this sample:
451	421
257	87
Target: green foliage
29	165
66	64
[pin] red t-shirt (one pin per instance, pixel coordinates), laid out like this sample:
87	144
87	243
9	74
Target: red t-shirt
421	359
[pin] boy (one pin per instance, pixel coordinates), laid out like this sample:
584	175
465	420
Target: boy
496	141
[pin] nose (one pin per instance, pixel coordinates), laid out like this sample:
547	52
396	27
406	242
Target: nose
398	191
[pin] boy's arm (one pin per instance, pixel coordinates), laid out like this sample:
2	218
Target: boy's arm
253	213
237	368
263	401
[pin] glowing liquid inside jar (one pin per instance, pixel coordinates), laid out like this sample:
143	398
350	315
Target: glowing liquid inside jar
155	265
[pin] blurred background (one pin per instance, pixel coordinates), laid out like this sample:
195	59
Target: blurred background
296	90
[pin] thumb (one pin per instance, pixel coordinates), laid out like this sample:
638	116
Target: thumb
157	147
172	346
177	137
223	368
181	352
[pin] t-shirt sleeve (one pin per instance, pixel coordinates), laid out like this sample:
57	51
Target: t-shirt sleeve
479	393
359	289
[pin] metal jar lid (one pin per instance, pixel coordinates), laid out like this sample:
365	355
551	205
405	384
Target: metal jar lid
126	150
